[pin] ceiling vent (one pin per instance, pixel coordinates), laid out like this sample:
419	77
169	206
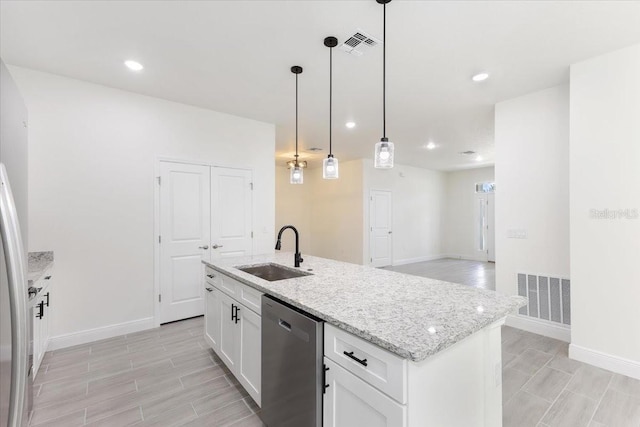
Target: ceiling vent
359	42
468	152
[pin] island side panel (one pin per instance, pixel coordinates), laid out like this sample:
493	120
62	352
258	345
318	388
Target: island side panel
459	386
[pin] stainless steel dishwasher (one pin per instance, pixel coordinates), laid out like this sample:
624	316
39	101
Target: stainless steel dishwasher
292	369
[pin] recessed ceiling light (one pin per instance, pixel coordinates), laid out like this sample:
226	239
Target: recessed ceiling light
479	159
350	125
431	145
133	65
480	77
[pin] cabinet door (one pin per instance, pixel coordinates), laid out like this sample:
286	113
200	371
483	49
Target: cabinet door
228	332
349	401
249	351
212	317
38	351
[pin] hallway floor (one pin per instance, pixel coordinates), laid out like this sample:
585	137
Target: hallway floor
478	274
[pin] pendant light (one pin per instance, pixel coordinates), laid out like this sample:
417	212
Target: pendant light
330	164
296	176
384	148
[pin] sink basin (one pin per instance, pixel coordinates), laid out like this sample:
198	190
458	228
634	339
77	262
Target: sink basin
273	272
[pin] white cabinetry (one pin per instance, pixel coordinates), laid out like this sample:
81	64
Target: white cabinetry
233	328
370	386
41	321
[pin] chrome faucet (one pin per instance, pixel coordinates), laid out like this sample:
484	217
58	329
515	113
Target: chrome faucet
297	258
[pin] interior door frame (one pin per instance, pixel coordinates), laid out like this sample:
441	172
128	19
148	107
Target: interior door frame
156	222
370	252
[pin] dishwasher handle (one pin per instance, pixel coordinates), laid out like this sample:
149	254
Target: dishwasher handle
285	325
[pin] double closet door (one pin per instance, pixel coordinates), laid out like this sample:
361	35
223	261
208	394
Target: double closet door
205	214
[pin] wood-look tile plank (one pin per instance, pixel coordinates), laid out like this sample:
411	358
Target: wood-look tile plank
570	410
590	381
512	382
128	417
530	361
224	416
250	421
547	383
523	410
68	420
618	409
172	417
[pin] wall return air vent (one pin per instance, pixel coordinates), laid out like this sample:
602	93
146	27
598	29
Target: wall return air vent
359	42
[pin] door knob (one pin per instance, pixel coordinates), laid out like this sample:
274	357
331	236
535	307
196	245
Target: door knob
390	232
205	247
216	246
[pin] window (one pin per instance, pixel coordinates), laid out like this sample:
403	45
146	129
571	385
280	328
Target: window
486	187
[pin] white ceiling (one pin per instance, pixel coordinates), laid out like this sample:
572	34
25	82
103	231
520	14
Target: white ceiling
234	57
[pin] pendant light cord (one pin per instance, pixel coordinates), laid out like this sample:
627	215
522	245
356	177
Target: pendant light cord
330	96
296	120
384	70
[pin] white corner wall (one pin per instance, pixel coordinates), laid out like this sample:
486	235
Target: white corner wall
418	198
461	213
605	175
532	186
92	152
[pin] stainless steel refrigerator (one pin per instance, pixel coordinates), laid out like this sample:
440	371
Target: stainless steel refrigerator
15	336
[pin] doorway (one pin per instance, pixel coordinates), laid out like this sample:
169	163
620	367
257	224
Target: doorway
204	213
485	220
380	225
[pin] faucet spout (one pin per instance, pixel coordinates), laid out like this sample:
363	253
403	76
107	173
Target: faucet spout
297	259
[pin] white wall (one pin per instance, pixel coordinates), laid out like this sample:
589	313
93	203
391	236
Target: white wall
605	174
418	197
336	213
92	152
532	186
293	208
461	213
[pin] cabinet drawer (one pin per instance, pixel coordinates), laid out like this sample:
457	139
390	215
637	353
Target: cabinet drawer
380	368
211	276
244	294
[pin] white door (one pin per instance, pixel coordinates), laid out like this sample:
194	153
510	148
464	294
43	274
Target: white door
349	401
228	332
380	237
250	356
231	219
184	239
212	326
491	227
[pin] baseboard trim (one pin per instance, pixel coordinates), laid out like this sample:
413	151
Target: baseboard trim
622	366
417	259
466	257
540	327
90	335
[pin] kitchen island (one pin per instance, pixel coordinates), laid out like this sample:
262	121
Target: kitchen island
434	347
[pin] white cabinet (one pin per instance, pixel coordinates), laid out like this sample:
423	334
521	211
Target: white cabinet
41	321
233	328
349	401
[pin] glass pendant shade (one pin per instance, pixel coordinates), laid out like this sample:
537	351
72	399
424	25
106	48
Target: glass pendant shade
296	176
384	154
330	168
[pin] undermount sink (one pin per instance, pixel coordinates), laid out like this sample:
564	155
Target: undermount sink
273	272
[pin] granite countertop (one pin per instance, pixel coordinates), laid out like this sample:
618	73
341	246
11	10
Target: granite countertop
38	264
413	317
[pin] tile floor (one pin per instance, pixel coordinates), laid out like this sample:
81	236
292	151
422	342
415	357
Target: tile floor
162	377
168	377
471	273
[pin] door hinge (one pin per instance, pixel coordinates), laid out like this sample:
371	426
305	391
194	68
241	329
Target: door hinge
159	239
159	297
252	234
159	179
251	185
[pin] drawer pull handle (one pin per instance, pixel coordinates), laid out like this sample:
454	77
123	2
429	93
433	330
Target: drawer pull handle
47	303
47	278
209	289
40	313
350	355
210	276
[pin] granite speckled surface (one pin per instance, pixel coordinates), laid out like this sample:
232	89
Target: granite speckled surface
38	264
413	317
